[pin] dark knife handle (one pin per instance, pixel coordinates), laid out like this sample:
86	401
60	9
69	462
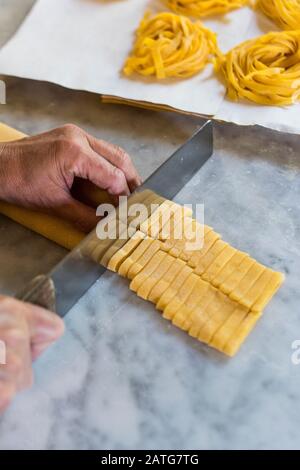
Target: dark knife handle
40	291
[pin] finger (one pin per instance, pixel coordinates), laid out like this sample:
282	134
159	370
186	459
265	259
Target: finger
119	158
7	392
37	349
78	214
44	326
17	368
101	172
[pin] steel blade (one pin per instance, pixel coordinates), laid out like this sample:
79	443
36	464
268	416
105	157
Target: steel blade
77	272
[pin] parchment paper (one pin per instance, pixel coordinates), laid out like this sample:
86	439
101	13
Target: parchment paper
82	44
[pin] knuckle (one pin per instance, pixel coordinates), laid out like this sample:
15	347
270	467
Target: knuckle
69	140
118	180
70	129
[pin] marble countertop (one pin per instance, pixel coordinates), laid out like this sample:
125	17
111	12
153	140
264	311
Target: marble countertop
122	377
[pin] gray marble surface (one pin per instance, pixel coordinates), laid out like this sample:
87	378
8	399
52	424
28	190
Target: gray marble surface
122	377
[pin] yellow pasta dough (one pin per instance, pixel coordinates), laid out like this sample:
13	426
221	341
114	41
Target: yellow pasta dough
229	268
218	264
143	259
138	282
133	257
183	315
239	335
173	288
181	296
174	266
265	70
206	260
223	334
221	316
209	240
170	45
218	312
155	276
118	258
201	8
285	13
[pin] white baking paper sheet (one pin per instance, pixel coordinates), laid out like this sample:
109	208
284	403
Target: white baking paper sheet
82	44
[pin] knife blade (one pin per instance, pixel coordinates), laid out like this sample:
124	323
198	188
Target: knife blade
61	289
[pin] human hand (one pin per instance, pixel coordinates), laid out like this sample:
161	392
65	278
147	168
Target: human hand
26	331
38	172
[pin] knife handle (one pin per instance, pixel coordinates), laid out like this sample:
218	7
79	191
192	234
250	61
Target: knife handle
40	291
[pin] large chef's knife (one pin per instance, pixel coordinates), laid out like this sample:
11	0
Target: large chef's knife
77	272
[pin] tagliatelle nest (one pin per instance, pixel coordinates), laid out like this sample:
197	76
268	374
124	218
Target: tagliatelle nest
170	45
285	13
265	70
201	8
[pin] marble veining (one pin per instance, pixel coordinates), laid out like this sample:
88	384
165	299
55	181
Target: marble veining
122	377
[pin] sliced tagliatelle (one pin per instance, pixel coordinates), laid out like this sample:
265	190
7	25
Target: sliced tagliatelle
285	13
265	70
201	8
170	45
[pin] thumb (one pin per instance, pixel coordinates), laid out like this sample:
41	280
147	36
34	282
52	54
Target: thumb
80	215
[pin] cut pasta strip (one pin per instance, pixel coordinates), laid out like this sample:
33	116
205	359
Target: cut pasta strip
180	297
229	268
174	267
158	218
143	259
275	282
218	264
155	276
182	316
243	330
218	312
138	282
254	274
201	314
209	240
206	260
134	256
236	276
172	290
118	258
227	329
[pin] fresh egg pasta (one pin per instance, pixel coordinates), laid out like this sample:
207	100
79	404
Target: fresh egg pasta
170	45
265	70
285	13
201	8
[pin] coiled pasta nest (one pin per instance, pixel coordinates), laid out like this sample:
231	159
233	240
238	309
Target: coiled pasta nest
201	8
170	45
285	13
265	70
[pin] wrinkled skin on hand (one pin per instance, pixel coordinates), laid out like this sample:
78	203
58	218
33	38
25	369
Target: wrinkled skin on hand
38	172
